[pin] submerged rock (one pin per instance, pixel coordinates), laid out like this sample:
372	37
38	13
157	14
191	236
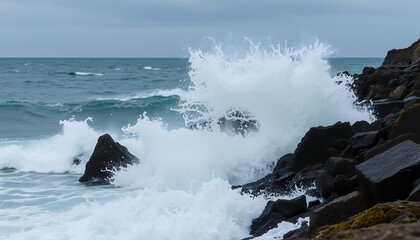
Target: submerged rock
107	156
235	122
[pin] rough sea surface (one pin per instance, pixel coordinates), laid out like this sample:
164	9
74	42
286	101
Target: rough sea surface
53	110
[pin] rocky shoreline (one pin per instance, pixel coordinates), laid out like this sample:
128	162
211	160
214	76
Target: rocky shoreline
367	175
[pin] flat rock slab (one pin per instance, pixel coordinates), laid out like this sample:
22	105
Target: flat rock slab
389	176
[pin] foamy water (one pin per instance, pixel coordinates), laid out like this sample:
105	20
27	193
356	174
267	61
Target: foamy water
182	187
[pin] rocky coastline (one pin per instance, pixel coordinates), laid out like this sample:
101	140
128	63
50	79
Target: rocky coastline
367	175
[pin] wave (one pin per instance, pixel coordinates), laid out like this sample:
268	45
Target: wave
151	68
84	74
185	176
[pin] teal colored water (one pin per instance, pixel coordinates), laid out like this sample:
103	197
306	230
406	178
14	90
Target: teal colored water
36	93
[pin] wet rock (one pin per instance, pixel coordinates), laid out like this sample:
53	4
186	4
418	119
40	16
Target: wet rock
389	176
364	140
408	122
107	156
338	210
238	123
324	183
275	212
385	107
314	146
380	148
341	166
283	164
343	185
415	194
362	126
409	101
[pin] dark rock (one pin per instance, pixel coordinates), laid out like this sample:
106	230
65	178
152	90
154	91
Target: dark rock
414	194
260	186
341	166
276	212
338	210
284	180
409	101
300	233
284	163
389	176
364	140
107	156
380	148
314	203
408	122
235	122
343	185
368	70
78	159
385	107
324	183
404	56
376	92
393	83
238	122
341	144
362	126
314	146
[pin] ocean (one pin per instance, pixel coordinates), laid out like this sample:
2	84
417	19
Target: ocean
54	109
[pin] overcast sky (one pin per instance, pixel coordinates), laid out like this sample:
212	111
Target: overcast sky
166	28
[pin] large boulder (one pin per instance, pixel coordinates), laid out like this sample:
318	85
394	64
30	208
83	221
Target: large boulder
275	212
390	175
108	156
315	147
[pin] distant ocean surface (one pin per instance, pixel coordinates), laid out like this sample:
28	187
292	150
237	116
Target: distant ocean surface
53	110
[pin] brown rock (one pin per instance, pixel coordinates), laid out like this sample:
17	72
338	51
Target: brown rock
398	93
410	231
407	122
403	211
403	56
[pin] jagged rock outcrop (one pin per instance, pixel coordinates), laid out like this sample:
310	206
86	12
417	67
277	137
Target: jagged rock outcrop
357	166
107	156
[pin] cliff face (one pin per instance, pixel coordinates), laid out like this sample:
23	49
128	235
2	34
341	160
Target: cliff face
404	56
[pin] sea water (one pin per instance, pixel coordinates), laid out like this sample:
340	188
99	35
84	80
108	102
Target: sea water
53	111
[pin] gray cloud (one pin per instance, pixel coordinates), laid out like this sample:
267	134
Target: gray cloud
165	27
